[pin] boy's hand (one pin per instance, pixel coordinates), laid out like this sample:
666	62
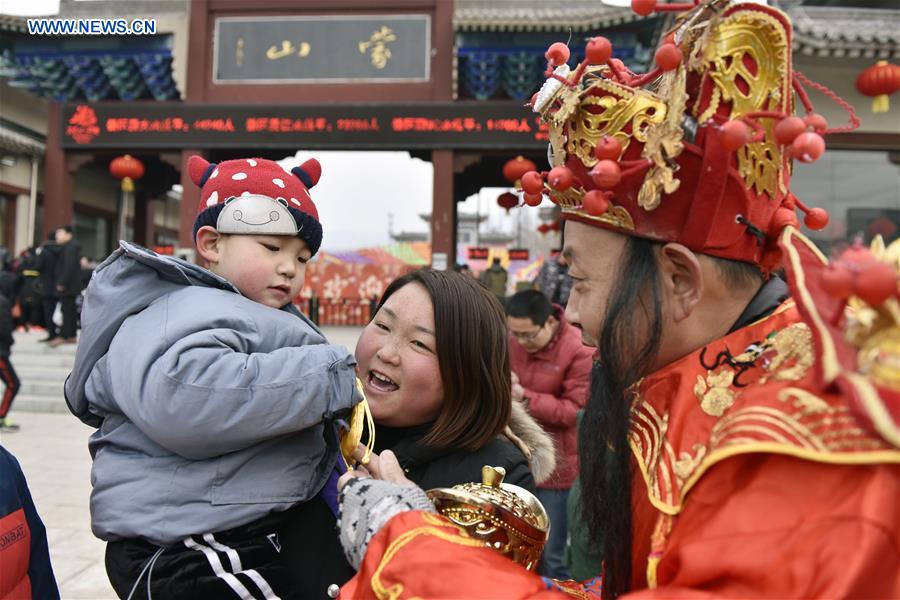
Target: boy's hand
384	467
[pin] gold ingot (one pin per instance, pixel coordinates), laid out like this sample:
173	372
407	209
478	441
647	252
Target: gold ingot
351	437
505	517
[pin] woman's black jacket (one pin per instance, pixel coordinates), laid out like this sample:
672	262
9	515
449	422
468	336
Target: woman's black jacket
310	540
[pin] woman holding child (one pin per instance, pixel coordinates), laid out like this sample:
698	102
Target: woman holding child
434	364
215	400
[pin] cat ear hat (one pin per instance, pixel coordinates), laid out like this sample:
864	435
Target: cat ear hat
255	196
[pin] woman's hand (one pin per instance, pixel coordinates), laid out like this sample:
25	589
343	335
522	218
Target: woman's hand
385	467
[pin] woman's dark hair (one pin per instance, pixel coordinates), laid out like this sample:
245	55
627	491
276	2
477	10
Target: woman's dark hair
473	357
628	345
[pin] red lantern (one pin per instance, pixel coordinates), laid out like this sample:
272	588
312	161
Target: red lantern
543	228
127	168
507	200
879	81
515	168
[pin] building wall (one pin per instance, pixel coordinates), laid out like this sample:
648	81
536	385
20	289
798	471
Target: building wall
29	112
176	24
23	108
857	180
839	74
96	189
18	175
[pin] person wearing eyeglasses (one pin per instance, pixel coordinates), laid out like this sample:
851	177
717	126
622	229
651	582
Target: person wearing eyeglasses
550	375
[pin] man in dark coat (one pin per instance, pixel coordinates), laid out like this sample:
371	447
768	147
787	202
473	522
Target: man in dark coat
68	283
27	267
48	255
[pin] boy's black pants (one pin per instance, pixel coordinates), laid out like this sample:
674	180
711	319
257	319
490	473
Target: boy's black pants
244	562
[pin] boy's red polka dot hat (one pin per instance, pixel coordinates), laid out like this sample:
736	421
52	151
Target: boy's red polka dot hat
255	196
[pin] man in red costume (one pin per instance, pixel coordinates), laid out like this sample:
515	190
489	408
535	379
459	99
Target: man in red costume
741	436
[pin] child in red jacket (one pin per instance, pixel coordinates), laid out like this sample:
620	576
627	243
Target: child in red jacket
25	570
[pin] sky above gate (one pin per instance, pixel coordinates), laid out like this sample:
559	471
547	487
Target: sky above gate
360	193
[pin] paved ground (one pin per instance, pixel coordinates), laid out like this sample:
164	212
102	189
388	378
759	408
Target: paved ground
52	448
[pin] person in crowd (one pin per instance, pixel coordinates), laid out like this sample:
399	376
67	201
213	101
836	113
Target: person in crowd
434	364
215	400
86	268
741	438
464	269
25	568
85	272
8	289
553	279
68	284
582	560
551	370
26	267
495	279
48	255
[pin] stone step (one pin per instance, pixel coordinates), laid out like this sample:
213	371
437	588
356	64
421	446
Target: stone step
42	360
41	372
38	404
52	389
44	349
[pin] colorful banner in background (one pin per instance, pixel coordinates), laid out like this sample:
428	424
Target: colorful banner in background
366	272
362	273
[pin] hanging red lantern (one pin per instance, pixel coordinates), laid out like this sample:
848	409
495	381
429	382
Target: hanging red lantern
543	228
879	81
507	200
127	168
516	167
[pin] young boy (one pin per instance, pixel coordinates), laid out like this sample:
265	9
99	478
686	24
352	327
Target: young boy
214	398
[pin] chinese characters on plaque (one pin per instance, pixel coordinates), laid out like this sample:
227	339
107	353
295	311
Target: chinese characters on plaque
288	49
376	44
322	49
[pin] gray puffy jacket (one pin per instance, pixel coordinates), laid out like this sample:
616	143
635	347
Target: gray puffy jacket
212	410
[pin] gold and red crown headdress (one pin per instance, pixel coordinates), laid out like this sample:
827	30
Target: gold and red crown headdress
697	151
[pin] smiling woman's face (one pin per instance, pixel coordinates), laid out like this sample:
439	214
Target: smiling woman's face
398	363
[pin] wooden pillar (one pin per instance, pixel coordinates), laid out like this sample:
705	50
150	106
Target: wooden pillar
194	92
142	223
190	198
443	213
443	209
444	38
58	196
